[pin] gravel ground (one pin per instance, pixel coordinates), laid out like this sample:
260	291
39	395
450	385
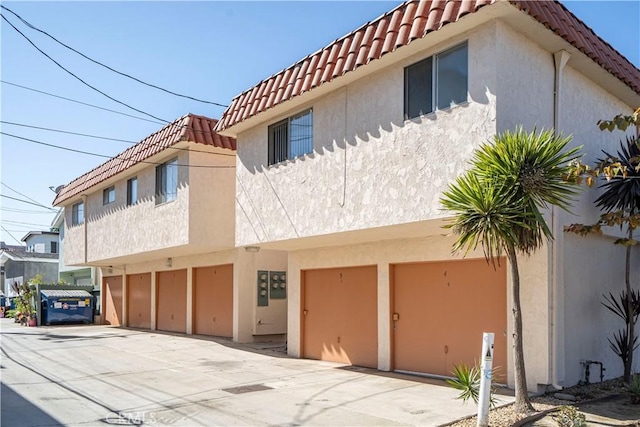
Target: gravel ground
505	416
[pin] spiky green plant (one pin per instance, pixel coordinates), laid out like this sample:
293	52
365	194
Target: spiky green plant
498	205
467	380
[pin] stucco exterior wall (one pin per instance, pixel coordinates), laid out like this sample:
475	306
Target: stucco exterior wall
212	199
245	266
433	248
202	214
592	266
580	269
369	167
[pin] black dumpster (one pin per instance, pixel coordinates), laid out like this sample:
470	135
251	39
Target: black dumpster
66	306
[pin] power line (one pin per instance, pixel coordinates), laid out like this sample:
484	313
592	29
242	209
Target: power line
114	139
106	66
23	195
80	102
28	202
78	78
110	157
26	211
24	223
12	236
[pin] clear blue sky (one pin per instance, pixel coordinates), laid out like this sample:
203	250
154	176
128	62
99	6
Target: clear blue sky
210	50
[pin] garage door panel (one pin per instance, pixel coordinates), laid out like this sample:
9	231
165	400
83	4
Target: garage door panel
322	323
172	301
139	300
112	303
444	308
213	300
340	323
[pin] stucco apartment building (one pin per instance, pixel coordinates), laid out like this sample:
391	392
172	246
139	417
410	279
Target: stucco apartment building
158	220
343	156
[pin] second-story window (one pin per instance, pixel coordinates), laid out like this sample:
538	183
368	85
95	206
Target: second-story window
77	214
54	247
109	195
132	191
291	137
436	82
167	181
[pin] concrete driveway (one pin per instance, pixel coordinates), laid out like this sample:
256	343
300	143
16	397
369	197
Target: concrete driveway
99	375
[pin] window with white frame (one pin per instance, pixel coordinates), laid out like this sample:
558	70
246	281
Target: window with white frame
291	137
77	214
109	195
132	191
167	181
436	82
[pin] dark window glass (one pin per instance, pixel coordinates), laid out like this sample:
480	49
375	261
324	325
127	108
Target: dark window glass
418	89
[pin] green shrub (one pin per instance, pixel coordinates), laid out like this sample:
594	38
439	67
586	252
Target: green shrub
10	313
568	416
467	380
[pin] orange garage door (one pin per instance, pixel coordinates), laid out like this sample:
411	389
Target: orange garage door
139	300
340	315
172	301
112	300
442	310
213	301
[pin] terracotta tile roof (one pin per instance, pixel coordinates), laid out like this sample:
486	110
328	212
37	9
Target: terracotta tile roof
192	128
407	22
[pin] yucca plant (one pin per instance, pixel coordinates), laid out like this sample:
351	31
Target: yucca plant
497	204
467	380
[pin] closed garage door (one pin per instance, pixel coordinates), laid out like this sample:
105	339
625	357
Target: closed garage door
172	301
442	309
139	300
112	303
340	315
213	301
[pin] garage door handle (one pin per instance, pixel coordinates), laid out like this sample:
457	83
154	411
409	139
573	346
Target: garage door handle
305	312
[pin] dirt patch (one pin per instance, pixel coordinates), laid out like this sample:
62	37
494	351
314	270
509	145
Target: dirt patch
604	404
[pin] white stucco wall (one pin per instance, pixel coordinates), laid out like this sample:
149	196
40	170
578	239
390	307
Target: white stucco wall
433	248
585	267
246	314
369	166
201	216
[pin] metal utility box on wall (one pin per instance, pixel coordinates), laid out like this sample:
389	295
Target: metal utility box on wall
278	284
263	288
271	303
66	306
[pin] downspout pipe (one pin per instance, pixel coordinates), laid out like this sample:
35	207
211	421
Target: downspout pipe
560	59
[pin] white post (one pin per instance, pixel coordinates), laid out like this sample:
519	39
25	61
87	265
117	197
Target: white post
486	370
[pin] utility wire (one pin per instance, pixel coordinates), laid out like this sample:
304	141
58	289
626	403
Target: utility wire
28	202
78	78
24	223
80	102
110	157
113	139
23	195
106	66
26	211
12	236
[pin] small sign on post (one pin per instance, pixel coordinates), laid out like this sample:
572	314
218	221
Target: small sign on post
486	370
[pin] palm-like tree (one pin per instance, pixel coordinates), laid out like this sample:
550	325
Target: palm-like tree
622	195
497	204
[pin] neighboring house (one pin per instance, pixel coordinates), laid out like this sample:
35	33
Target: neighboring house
73	275
158	219
22	263
343	157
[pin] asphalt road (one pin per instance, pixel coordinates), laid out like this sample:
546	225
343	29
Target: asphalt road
99	375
